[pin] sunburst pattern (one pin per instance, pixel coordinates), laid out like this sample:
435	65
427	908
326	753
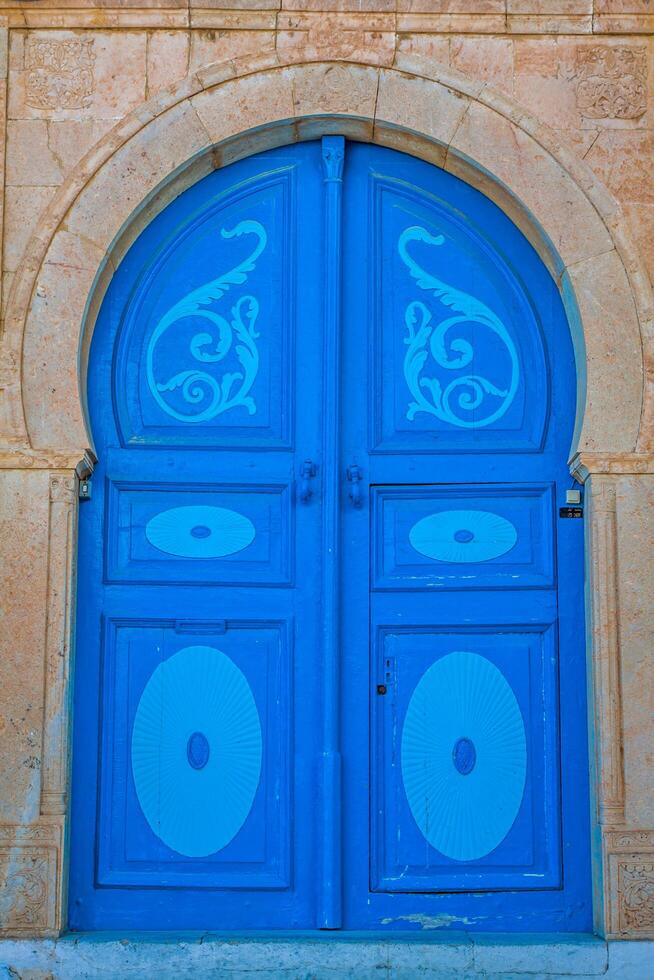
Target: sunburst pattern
464	815
200	532
196	811
463	536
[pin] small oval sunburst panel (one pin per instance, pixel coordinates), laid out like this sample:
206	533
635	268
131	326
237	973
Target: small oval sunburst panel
196	751
464	756
200	532
463	536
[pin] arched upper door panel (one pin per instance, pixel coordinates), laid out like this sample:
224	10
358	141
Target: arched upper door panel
203	309
468	321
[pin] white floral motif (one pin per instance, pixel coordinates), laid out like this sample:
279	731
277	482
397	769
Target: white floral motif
197	385
465	393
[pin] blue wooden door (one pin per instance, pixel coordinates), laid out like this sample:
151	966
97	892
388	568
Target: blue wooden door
330	656
195	740
461	581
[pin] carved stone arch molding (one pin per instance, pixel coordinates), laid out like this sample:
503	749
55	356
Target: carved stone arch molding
223	113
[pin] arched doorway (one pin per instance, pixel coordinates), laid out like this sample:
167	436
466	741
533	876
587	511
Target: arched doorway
333	616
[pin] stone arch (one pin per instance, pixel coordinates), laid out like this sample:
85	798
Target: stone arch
235	108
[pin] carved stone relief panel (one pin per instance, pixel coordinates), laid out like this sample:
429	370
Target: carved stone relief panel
611	82
636	890
29	858
630	862
59	73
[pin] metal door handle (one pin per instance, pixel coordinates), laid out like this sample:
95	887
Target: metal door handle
307	473
355	476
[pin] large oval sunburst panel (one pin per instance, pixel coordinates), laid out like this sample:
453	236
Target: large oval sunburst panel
196	751
464	756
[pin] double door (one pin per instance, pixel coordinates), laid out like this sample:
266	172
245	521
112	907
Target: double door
330	658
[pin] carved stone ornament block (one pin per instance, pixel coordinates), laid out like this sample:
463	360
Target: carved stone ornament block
28	881
59	73
630	863
611	82
636	891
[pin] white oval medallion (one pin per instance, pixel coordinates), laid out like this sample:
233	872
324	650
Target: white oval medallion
200	532
196	751
464	756
463	536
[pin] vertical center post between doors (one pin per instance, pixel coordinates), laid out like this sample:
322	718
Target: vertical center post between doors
333	152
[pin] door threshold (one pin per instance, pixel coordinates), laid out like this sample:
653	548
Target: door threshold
326	956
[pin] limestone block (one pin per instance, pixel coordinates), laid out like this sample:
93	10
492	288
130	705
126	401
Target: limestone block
542	88
23	585
622	159
453	23
550	23
134	171
629	885
312	36
52	341
536	179
430	47
335	89
551	7
7	279
59	74
610	81
235	106
374	6
210	46
486	58
70	139
30	160
452	6
167	59
536	57
611	340
585	956
622	6
23	207
640	218
429	109
635	521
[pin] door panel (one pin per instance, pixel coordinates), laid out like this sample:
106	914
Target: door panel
206	340
455	563
198	576
462	537
173	694
174	533
458	358
465	767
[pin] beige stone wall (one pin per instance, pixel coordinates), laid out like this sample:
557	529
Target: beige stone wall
547	105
